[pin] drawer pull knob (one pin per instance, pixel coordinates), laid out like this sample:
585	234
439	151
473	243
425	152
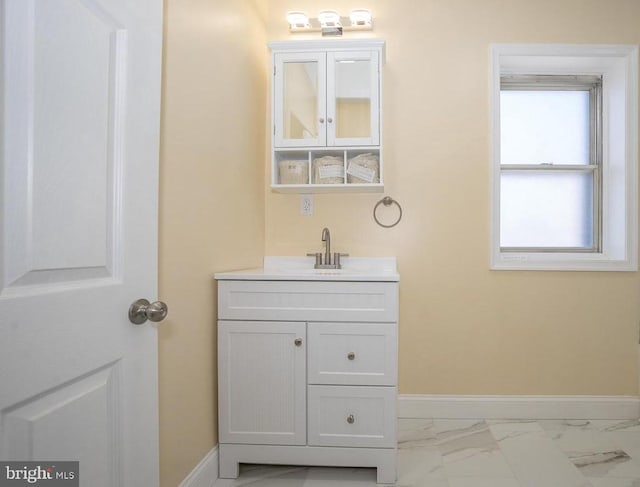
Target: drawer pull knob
351	355
351	419
298	342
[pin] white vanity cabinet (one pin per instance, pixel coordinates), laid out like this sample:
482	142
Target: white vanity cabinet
307	374
326	115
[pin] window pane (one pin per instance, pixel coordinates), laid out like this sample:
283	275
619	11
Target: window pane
540	209
544	127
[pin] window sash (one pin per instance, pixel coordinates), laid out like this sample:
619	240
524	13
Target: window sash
592	84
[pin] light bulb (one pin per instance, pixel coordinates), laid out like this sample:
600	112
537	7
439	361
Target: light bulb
360	17
329	18
298	20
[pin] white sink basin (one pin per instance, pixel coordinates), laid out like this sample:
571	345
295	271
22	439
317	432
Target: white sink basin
301	269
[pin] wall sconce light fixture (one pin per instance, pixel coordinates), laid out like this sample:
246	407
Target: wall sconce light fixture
330	22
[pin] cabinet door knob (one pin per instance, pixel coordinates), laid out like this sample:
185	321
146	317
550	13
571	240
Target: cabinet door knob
351	355
322	120
298	342
330	120
351	419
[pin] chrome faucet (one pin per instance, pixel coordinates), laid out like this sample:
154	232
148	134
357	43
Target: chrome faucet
326	237
328	263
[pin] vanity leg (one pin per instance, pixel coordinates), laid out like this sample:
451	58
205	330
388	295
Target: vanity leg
228	464
386	469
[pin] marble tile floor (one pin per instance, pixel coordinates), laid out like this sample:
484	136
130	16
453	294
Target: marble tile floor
485	453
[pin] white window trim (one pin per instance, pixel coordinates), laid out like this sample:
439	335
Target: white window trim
618	65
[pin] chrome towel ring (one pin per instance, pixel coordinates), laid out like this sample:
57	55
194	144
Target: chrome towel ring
387	201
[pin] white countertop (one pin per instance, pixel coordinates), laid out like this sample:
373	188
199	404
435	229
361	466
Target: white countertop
301	269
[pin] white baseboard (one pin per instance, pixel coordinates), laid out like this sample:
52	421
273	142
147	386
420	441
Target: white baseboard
519	407
205	473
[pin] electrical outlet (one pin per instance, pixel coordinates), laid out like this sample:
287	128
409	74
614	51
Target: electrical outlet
306	204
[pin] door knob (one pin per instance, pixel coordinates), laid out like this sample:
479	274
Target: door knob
141	311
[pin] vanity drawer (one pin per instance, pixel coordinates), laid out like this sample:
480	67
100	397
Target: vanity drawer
352	416
352	354
308	301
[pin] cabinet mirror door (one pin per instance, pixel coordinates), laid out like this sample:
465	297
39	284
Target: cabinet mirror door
353	99
300	100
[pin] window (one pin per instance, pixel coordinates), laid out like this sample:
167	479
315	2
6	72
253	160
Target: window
550	163
565	157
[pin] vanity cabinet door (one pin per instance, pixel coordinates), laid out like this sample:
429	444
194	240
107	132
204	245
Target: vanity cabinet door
300	100
262	382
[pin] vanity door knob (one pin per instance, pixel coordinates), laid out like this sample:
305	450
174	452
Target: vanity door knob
322	120
351	419
351	355
298	342
330	120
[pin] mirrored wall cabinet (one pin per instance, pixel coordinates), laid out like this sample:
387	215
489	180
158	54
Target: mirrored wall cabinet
326	115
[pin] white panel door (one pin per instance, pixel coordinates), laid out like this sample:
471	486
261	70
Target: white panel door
262	382
79	104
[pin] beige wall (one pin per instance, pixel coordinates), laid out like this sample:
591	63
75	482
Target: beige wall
465	329
211	203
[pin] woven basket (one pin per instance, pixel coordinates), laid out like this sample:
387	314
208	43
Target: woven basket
365	168
293	172
328	170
